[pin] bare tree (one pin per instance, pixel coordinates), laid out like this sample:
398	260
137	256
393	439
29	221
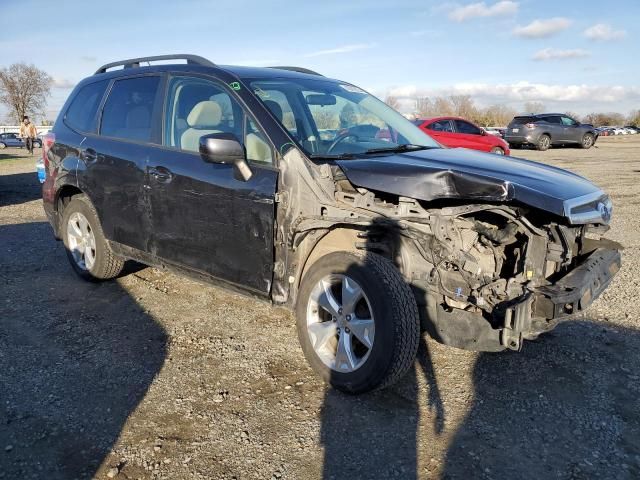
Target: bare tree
634	118
463	106
392	101
424	107
534	107
326	120
24	90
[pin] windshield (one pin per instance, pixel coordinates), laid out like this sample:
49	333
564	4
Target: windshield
329	118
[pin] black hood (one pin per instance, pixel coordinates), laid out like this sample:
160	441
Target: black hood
442	173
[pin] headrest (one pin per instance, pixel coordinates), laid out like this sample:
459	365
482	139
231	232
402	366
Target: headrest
275	108
205	114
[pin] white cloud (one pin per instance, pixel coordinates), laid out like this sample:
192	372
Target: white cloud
341	49
63	83
580	97
542	28
556	54
481	9
604	32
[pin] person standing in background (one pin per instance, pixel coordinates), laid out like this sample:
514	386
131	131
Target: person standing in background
28	132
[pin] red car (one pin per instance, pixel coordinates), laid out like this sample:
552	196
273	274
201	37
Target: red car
458	132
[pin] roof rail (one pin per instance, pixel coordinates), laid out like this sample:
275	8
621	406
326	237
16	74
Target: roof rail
135	62
299	70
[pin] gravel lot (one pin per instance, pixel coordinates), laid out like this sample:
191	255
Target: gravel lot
157	376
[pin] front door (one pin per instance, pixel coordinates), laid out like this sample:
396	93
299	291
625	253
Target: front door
470	136
204	218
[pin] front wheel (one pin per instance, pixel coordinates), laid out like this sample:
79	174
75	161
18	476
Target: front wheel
497	150
587	141
357	321
544	142
3	145
86	247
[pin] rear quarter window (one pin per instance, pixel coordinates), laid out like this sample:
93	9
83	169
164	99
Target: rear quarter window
81	114
523	120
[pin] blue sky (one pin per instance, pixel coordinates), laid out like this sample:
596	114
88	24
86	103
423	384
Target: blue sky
577	55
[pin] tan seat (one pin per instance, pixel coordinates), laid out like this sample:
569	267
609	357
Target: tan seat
203	119
257	149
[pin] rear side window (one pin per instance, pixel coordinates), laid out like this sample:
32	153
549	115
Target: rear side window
552	119
468	128
441	126
128	110
81	114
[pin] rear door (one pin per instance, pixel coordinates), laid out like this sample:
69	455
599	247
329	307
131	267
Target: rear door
442	131
115	160
470	136
203	217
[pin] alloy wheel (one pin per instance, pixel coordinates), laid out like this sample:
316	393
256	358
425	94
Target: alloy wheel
81	241
340	323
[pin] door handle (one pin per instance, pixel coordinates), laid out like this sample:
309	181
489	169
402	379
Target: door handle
161	174
89	155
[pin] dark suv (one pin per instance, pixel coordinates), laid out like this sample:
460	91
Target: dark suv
313	194
547	129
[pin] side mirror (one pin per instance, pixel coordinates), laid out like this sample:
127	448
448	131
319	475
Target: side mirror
225	148
483	132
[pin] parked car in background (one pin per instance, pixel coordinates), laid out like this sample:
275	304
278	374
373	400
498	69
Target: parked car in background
547	129
497	131
458	132
13	140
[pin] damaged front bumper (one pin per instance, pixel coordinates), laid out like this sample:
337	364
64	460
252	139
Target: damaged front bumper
524	318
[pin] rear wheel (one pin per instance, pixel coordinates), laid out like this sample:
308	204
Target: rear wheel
86	247
357	321
3	145
497	150
587	141
544	142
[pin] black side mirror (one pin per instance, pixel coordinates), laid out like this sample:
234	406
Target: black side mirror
225	148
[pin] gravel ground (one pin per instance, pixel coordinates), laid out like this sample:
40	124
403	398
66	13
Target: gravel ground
157	376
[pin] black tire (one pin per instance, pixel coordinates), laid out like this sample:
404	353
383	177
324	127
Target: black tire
587	141
397	323
544	142
107	265
497	150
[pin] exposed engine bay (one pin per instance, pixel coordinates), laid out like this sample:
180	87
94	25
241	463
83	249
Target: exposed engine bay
486	276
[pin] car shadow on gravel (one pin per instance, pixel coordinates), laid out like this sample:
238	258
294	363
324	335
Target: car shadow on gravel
565	407
19	188
76	359
376	435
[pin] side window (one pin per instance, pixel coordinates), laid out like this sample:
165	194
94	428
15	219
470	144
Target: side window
128	110
553	120
198	107
467	128
81	114
441	126
569	122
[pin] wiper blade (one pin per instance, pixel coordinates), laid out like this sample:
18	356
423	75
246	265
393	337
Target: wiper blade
332	156
407	147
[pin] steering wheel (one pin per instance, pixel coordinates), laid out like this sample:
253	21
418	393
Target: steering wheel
339	139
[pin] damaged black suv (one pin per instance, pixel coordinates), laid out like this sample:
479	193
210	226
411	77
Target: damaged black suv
315	195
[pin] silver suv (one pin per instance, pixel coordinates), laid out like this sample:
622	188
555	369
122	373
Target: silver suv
546	129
